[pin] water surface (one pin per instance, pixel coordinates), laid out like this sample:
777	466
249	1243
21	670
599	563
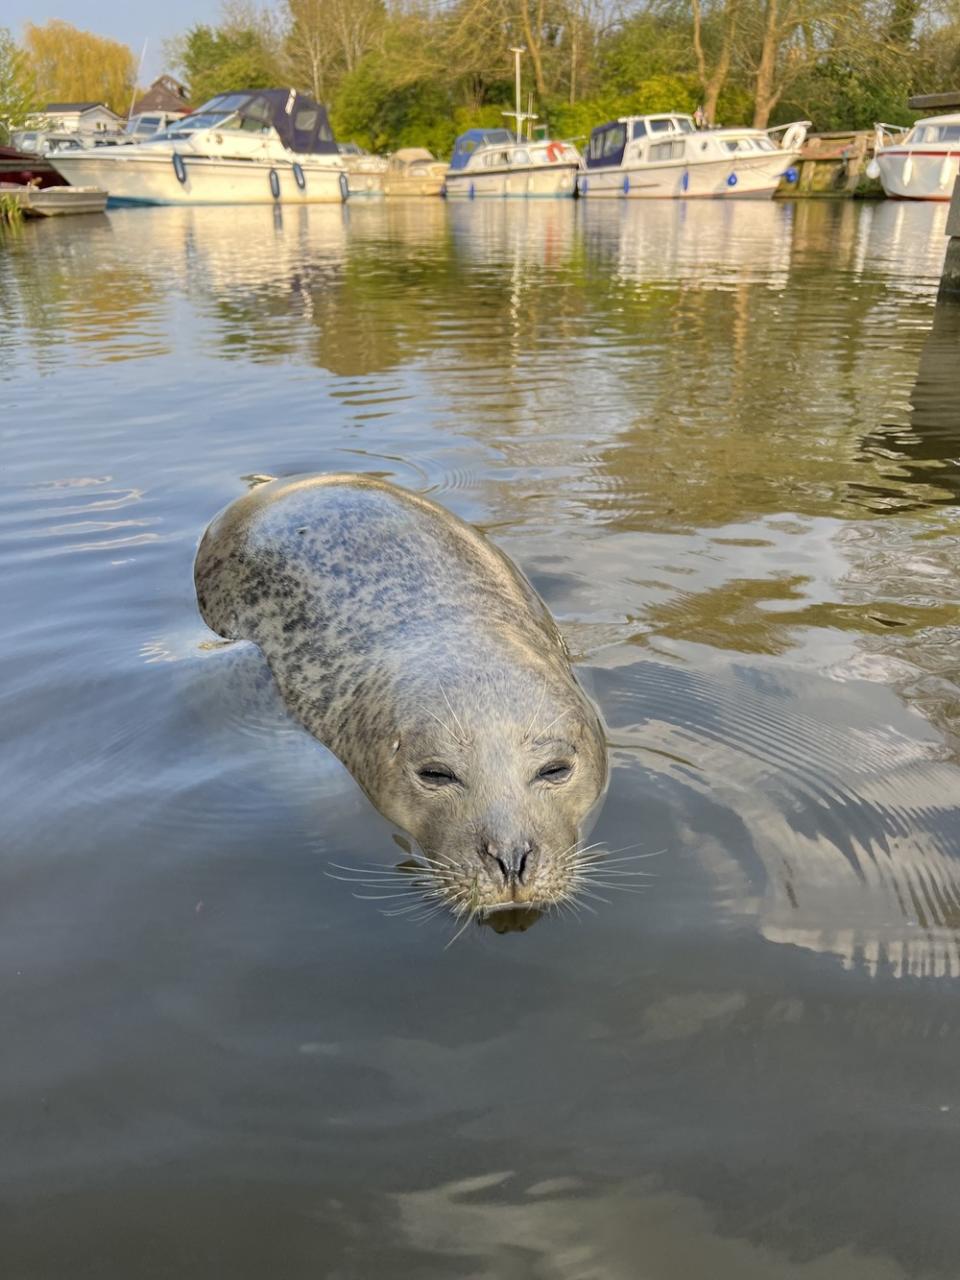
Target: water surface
724	442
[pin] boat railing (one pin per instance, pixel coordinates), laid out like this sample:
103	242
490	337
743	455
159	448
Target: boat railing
885	134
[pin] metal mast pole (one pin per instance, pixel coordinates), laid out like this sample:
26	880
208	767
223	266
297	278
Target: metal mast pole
517	54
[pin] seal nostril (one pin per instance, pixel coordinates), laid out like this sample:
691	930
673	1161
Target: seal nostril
504	869
522	864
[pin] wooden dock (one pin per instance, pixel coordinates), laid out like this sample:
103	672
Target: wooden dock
833	166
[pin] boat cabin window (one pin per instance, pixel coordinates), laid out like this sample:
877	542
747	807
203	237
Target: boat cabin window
661	151
764	144
934	133
639	129
738	144
305	119
661	126
684	124
521	157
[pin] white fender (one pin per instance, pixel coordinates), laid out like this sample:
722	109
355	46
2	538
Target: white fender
907	173
873	169
794	137
946	170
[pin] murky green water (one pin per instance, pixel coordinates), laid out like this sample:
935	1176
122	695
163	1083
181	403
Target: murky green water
723	441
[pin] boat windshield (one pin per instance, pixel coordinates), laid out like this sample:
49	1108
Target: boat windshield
606	145
934	133
143	126
212	115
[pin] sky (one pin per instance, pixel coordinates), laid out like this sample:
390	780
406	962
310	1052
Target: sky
131	21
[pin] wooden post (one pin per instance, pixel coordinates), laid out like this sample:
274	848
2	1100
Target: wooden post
950	280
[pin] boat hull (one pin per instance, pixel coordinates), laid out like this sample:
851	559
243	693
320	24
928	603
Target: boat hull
55	202
136	175
404	186
918	175
754	177
522	182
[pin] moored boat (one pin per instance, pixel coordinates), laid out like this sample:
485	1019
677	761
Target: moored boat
413	171
365	172
54	202
665	156
493	162
496	162
918	163
23	168
260	146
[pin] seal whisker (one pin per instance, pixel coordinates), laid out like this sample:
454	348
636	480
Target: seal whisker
529	729
547	728
445	727
625	873
465	738
619	888
386	897
470	915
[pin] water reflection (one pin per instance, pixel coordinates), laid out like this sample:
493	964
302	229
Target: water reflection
722	442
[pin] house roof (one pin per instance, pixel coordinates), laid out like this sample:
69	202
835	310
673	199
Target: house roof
165	94
53	107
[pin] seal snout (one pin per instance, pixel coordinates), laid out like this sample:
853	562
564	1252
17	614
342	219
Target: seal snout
508	861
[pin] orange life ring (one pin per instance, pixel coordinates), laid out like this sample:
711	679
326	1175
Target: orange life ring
554	152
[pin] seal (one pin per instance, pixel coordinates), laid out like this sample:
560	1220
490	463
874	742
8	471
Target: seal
414	649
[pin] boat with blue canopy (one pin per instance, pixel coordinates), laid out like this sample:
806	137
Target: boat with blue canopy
254	146
495	162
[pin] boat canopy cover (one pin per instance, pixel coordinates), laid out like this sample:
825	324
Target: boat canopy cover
606	145
468	142
301	123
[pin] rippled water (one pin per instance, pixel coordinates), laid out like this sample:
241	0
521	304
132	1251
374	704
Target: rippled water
724	442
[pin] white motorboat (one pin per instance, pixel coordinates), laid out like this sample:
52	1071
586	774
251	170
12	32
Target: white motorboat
919	163
413	171
493	162
365	172
666	156
496	162
252	147
53	202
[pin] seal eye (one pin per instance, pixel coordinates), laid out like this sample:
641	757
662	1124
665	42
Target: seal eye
437	775
555	771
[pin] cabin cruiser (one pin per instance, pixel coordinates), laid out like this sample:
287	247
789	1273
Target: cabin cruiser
364	171
413	171
666	156
261	146
919	163
495	162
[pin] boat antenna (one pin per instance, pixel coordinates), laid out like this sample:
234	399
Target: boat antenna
519	115
133	95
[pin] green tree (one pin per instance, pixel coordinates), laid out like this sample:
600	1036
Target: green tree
18	97
217	60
